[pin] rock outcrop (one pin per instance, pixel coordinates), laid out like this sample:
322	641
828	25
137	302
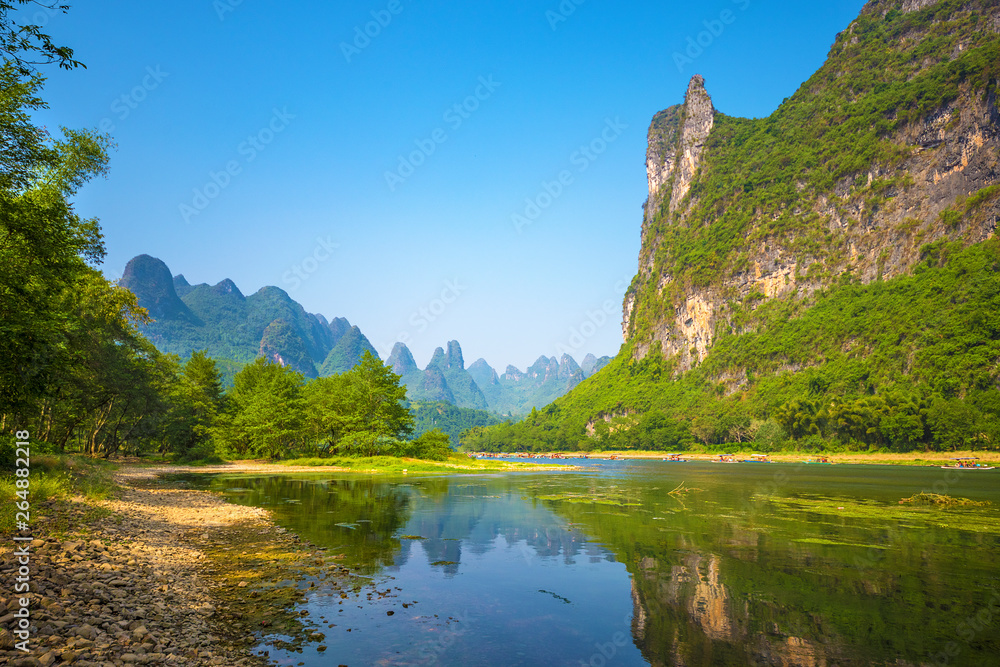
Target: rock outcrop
930	179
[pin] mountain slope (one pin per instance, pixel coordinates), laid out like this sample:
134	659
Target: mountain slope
237	328
451	365
826	274
346	353
869	160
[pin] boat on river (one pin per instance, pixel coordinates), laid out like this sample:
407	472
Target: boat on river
725	458
674	458
819	460
967	463
757	458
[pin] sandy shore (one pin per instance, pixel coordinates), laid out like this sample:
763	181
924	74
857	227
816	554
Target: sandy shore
158	576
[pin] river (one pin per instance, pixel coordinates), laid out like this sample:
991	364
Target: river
650	563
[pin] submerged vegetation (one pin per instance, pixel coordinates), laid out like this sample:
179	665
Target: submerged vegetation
937	499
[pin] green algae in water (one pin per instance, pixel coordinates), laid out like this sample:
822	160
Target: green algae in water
938	499
973	518
592	499
556	596
822	540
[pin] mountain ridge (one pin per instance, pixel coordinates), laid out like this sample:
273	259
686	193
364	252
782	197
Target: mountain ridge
233	327
480	386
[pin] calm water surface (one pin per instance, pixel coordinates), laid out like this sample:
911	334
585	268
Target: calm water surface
764	564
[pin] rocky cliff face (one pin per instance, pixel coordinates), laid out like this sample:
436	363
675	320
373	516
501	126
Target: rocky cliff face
926	177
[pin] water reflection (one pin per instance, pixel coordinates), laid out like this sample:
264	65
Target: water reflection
609	568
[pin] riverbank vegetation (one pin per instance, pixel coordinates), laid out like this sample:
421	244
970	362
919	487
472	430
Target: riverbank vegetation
57	478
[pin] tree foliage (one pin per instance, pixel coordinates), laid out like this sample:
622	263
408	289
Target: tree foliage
23	44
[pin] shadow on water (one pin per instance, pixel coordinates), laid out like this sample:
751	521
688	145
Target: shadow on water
753	564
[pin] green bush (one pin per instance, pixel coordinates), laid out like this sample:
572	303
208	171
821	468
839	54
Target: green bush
202	452
770	437
371	444
433	445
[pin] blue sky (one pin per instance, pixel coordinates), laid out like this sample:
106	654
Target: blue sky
371	158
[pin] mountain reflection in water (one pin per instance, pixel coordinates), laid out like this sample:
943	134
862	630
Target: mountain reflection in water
606	567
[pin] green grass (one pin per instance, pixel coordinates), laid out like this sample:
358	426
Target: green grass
395	465
56	477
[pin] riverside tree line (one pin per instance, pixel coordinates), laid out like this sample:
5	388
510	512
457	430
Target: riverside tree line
74	369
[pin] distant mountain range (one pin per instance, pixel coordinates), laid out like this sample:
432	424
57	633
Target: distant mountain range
480	387
235	329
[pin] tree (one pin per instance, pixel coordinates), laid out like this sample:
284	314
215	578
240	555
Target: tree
45	247
377	399
434	445
22	43
265	416
195	403
108	379
954	423
328	411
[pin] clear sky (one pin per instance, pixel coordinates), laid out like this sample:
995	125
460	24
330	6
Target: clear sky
370	157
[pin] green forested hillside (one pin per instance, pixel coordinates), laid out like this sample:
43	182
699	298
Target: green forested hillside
761	178
822	277
235	329
450	419
904	364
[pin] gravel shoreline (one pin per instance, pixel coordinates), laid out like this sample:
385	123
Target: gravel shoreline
134	580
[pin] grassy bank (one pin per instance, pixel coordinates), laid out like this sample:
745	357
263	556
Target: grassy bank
56	478
392	464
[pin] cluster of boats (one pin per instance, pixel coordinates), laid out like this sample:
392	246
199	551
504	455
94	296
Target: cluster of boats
527	455
754	458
